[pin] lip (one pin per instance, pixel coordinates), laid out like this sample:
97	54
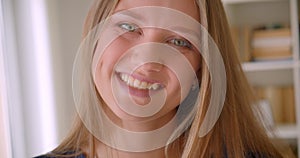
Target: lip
144	93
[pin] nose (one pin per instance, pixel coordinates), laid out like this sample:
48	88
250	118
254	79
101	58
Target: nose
151	67
150	54
154	35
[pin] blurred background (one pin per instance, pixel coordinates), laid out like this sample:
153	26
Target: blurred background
40	38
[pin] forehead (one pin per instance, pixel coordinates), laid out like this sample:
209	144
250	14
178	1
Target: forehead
188	7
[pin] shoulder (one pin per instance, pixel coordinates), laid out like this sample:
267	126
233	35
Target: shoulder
69	154
256	155
253	155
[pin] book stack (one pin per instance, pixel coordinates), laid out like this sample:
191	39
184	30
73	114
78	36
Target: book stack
271	44
281	102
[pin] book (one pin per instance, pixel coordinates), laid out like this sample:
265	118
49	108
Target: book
274	96
281	101
289	110
265	33
267	53
270	44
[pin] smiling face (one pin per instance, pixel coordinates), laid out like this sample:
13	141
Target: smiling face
138	63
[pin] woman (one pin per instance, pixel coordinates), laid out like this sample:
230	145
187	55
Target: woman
118	74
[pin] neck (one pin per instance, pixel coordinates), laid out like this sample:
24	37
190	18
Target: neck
142	126
104	151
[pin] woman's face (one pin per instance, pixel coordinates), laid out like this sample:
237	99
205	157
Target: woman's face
150	78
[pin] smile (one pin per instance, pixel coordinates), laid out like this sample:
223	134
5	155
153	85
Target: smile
138	84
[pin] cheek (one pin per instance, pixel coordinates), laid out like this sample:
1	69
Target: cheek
173	89
110	56
178	91
105	67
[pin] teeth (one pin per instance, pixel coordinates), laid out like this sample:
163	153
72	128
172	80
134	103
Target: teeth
123	77
129	80
136	83
154	86
144	85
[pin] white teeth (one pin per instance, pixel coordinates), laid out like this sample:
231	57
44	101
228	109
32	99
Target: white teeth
129	80
154	86
144	85
123	77
136	83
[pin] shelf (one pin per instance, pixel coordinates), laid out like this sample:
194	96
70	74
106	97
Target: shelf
277	72
286	132
267	65
248	1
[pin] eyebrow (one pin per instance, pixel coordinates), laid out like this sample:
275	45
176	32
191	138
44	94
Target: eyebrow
186	31
130	13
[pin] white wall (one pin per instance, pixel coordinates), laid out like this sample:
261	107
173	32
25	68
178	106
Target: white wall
5	143
43	39
66	18
35	77
5	148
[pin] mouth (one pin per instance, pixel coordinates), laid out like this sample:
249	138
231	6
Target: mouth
139	83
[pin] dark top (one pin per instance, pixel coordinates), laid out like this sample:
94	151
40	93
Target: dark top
66	154
248	155
45	156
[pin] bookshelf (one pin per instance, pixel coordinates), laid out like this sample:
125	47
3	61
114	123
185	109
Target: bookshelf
287	132
265	66
246	1
270	72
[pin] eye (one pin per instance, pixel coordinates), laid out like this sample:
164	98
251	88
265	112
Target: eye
181	43
128	27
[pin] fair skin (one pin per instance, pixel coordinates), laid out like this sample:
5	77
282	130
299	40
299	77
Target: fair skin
153	73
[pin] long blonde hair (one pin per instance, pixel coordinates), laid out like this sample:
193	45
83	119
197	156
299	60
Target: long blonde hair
236	133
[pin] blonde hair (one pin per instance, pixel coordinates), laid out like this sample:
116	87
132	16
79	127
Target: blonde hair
236	133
